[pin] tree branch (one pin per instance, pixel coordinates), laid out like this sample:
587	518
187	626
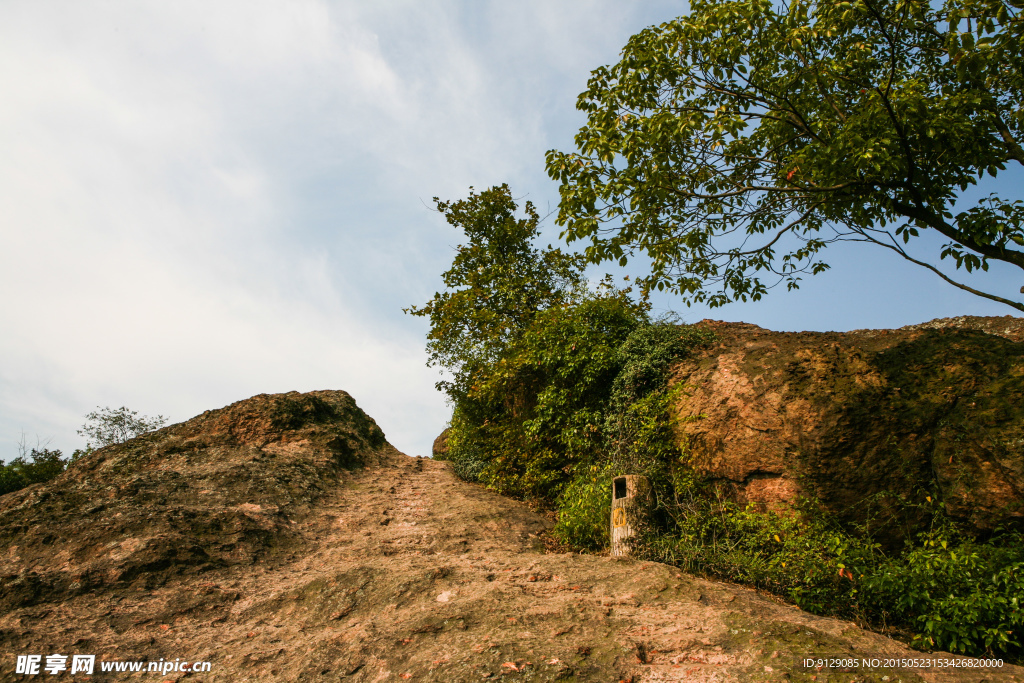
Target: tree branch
786	229
976	292
932	221
755	188
1015	151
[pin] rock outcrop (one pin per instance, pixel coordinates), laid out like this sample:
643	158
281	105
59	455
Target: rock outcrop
283	539
864	420
440	447
223	489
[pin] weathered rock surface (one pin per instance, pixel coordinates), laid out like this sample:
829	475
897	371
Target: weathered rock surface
222	489
440	447
936	408
282	539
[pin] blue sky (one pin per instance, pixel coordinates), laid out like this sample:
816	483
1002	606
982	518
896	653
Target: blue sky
205	201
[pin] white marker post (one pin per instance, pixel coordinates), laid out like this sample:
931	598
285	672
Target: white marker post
630	500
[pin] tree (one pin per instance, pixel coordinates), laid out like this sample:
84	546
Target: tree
109	426
31	466
532	350
497	283
735	143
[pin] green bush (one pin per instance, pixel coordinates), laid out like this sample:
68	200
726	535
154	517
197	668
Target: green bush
955	593
10	479
584	508
637	436
537	414
463	448
809	562
45	464
947	591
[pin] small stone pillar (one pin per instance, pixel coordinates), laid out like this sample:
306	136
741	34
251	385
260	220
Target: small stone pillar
630	502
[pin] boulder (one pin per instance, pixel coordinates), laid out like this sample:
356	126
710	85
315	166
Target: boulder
871	423
440	447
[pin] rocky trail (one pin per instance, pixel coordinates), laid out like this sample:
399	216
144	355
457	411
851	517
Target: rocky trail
397	571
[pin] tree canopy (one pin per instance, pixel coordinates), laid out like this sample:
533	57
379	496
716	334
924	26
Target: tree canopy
732	145
496	284
108	426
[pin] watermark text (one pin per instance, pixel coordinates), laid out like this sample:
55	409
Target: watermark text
53	665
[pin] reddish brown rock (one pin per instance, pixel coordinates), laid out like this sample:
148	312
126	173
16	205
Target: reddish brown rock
440	448
220	490
863	420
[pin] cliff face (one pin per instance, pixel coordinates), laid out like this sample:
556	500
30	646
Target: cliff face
282	539
863	419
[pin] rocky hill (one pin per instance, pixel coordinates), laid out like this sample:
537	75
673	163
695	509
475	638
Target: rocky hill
870	422
283	539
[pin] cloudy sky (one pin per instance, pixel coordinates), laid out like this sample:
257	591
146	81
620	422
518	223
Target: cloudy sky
204	201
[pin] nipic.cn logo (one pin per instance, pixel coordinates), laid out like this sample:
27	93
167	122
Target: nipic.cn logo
33	665
54	664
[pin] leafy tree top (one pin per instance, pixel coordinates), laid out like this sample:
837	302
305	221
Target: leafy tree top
108	426
496	284
735	143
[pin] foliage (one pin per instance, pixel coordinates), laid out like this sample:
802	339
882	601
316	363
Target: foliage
958	594
583	507
647	353
109	426
637	434
636	439
539	361
947	591
497	282
41	465
733	144
638	426
537	413
465	450
802	556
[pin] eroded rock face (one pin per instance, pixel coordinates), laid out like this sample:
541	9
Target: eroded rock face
222	489
860	419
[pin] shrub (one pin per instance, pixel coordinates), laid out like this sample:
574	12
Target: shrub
536	415
637	436
946	591
584	508
955	593
42	466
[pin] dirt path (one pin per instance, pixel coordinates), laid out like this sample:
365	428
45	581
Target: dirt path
407	573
